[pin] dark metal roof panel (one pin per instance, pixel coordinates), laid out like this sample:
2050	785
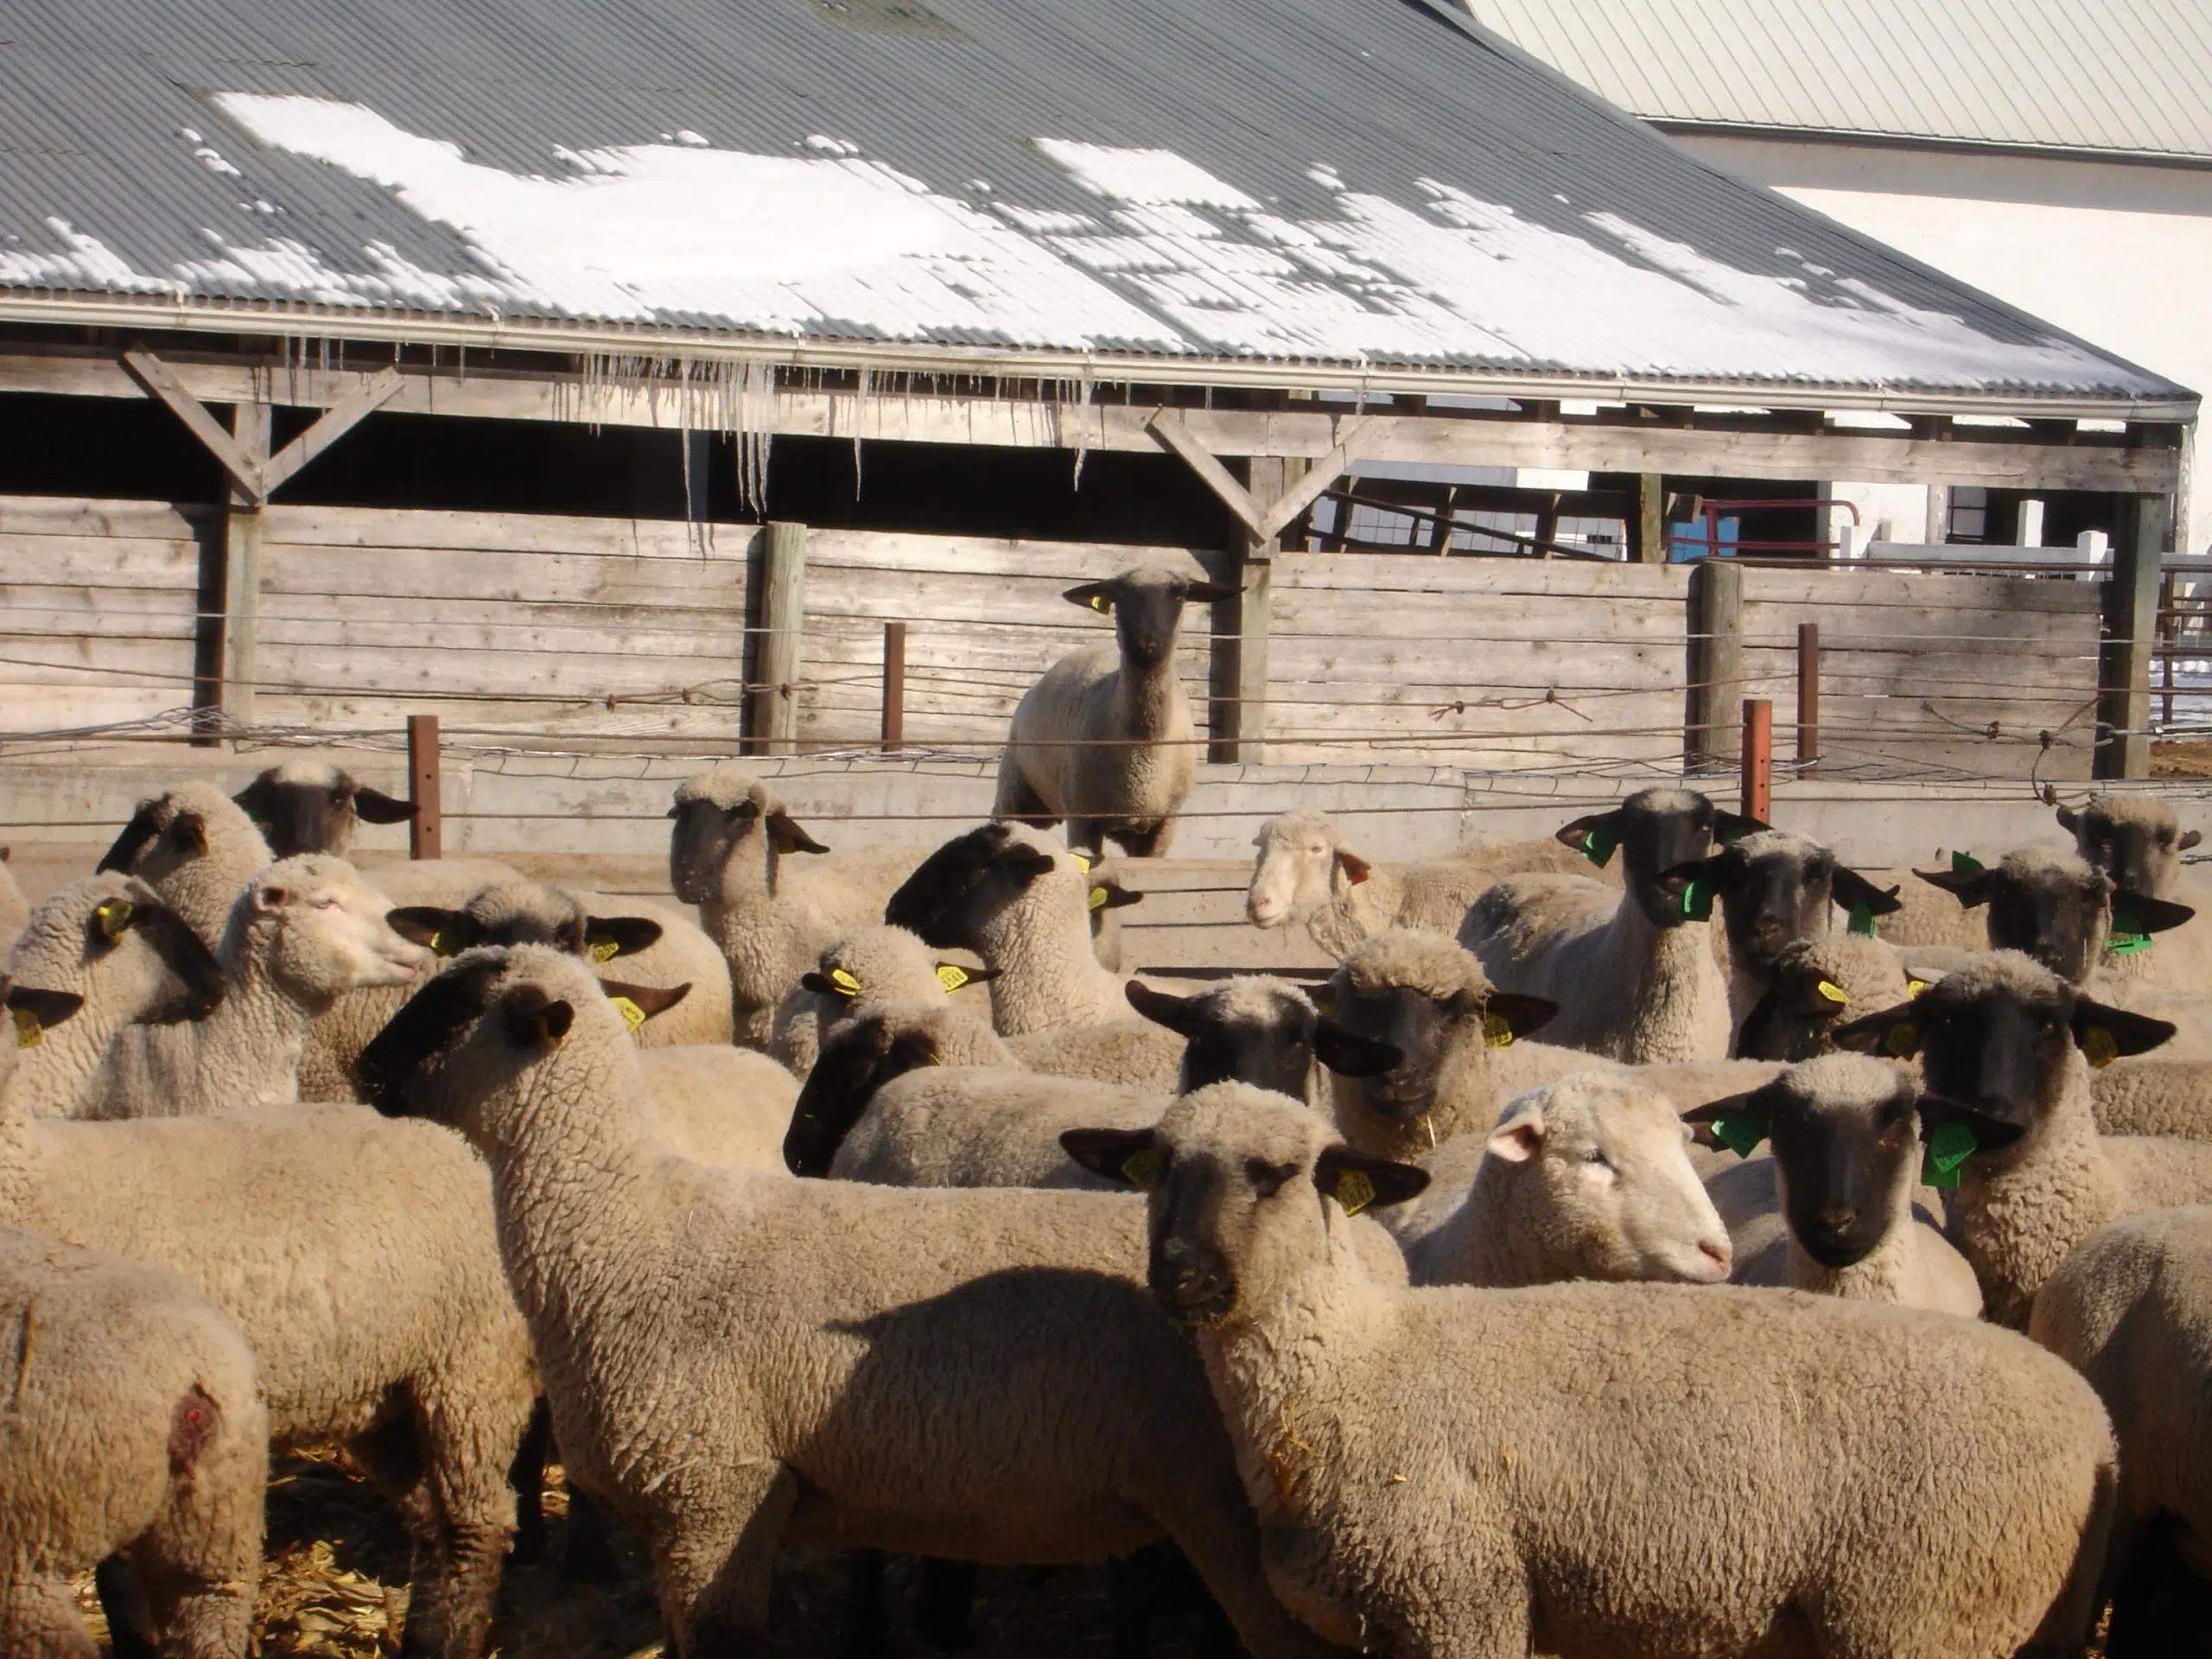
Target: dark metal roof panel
1349	182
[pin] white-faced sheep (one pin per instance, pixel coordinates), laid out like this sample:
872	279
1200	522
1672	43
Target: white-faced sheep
1463	1048
1308	873
1847	1168
1104	739
195	847
1019	899
876	964
735	1360
2139	841
1633	972
111	944
305	933
1596	1468
311	805
729	854
2004	1044
359	1259
2131	1310
133	1427
1587	1178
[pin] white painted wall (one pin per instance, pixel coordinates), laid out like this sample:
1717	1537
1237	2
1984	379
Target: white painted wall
2119	255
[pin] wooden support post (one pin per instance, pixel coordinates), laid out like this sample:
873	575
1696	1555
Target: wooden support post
1238	722
250	429
2131	630
1650	518
1808	698
426	832
1716	663
1757	792
773	725
894	687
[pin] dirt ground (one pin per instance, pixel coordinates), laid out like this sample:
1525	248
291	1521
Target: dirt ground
334	1586
2192	759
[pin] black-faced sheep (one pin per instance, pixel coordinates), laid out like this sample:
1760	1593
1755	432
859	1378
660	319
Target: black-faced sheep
308	806
194	846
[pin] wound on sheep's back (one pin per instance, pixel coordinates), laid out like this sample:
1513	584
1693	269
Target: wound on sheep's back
192	1429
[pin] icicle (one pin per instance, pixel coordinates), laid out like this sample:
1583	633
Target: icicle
867	381
1083	428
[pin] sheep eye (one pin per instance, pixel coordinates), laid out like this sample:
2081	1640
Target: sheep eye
1596	1157
1267	1179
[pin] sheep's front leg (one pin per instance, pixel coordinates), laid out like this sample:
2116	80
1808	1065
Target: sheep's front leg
718	1559
39	1620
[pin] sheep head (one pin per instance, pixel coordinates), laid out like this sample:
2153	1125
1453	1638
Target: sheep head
1815	984
110	939
1664	835
958	898
2054	907
1147	606
2134	839
1303	863
1261	1031
730	832
1427	997
321	931
1776	887
311	806
524	912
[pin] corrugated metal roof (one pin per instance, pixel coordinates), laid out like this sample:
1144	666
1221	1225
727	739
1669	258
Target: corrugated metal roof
2116	77
1348	184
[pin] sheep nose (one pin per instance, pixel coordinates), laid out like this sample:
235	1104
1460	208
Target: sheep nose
1720	1254
1837	1218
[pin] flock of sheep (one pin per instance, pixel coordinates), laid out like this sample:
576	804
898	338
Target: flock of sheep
876	1207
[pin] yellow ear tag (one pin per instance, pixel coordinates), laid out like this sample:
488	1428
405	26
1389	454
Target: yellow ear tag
848	986
951	976
1355	1192
1100	604
29	1032
1082	863
1141	1169
606	950
441	943
1915	986
632	1015
1497	1032
1098	897
114	916
1834	992
545	1029
2098	1045
1903	1042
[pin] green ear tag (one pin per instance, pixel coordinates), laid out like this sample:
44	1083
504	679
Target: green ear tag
2099	1048
2128	935
1355	1192
1100	604
1903	1042
1697	901
1966	864
1947	1150
1862	921
1140	1169
1737	1131
441	943
1598	846
29	1032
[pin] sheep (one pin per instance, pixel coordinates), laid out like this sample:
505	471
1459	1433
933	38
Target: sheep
716	1343
195	847
134	1427
1461	1046
307	805
110	944
15	909
1599	1468
2066	914
359	1259
1308	873
2005	1044
1846	1171
1633	973
1018	898
876	964
1104	739
1585	1178
2137	842
2131	1310
303	935
1110	895
727	854
909	1095
1812	984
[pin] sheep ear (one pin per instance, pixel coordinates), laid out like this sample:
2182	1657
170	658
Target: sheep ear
1734	826
1521	1014
1594	836
2069	820
448	932
1969	887
1359	1182
1178	1013
1751	1035
2150	915
253	800
2189	839
272	895
1739	1122
790	838
1129	1156
639	1003
1940	1123
35	1010
2105	1033
609	937
1850	889
957	976
128	845
1092	596
1351	1055
1521	1137
374	806
1106	896
534	1022
1356	868
1894	1032
853	1066
1211	593
190	826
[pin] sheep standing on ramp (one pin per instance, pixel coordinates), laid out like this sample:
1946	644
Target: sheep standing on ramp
1104	739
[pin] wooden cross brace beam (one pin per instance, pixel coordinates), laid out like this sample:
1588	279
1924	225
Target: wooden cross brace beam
258	479
1166	427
